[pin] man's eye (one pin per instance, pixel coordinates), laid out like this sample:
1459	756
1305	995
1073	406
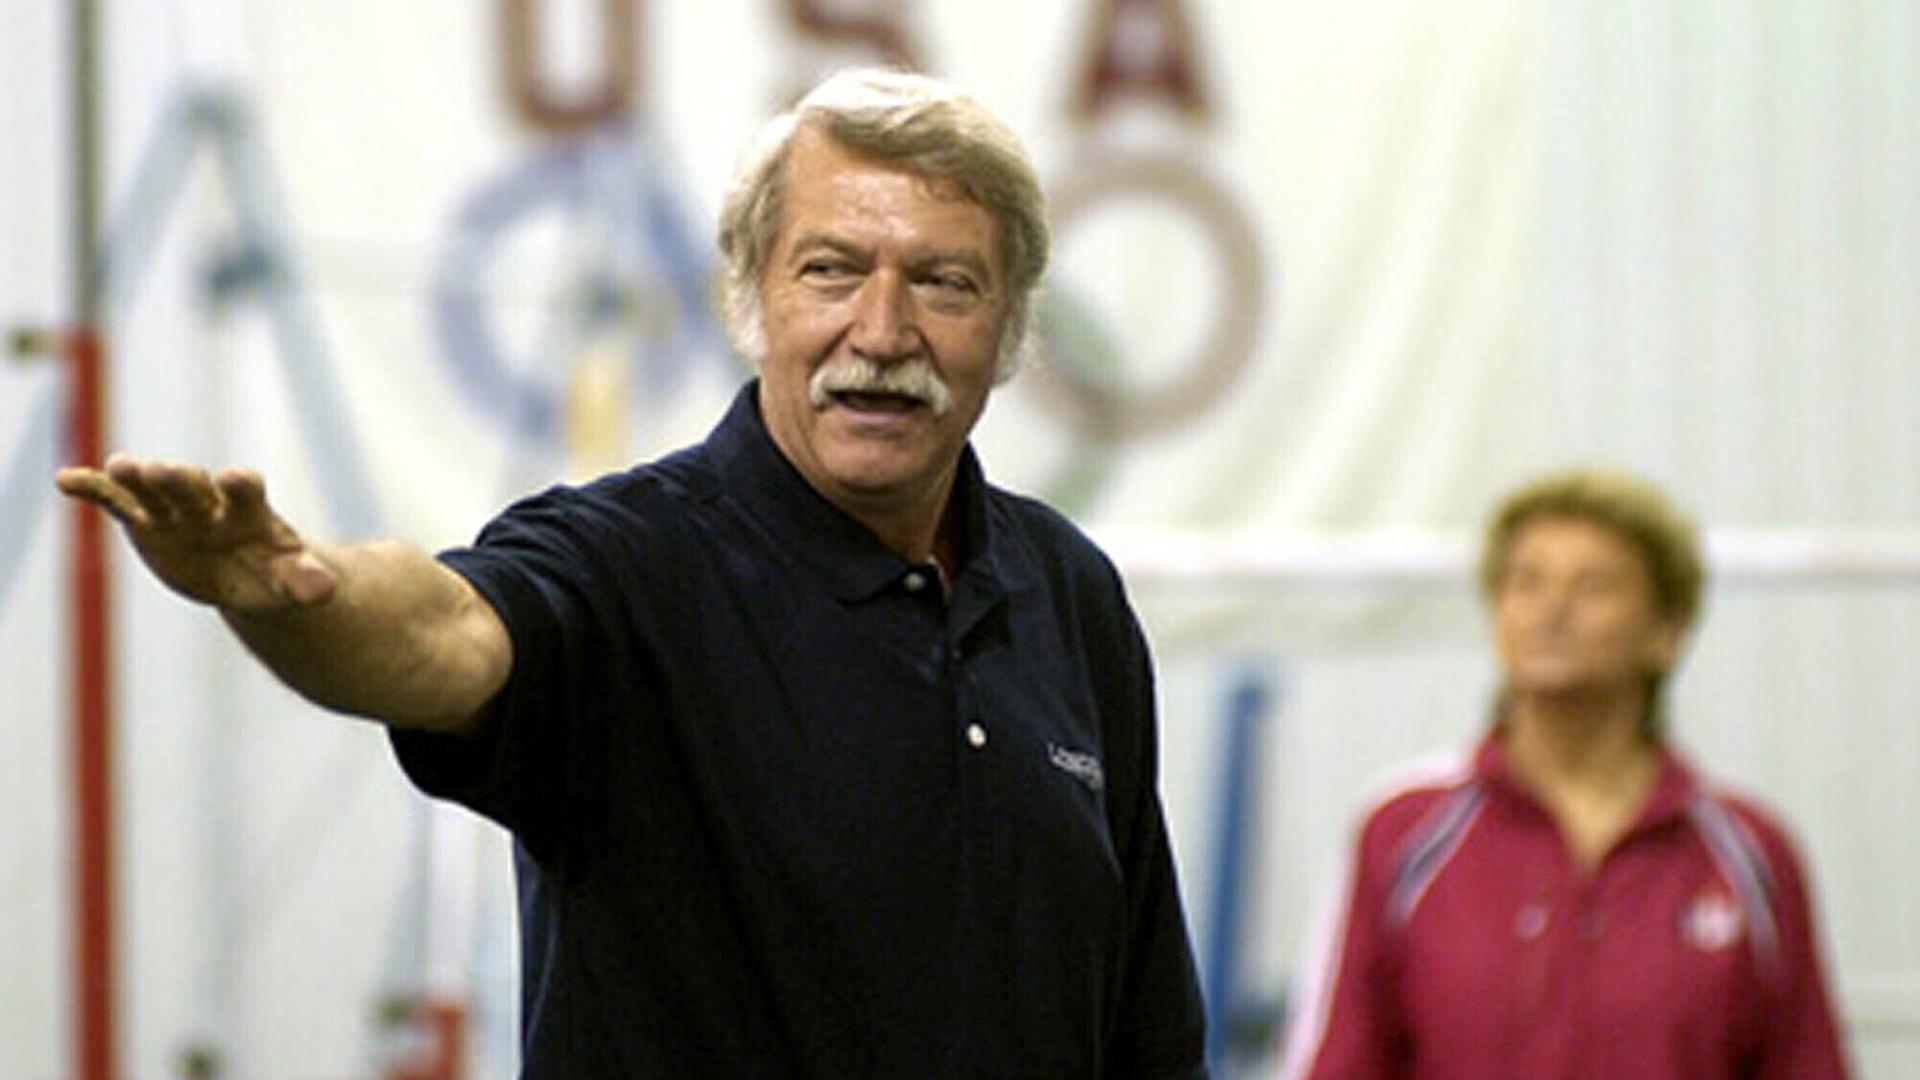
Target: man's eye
955	283
824	268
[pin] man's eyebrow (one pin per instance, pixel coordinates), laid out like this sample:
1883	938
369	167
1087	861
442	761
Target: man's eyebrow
964	257
967	258
811	241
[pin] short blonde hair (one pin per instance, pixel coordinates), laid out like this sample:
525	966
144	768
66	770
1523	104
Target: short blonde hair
1623	504
903	119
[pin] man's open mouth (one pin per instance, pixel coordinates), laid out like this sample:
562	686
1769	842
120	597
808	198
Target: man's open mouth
876	401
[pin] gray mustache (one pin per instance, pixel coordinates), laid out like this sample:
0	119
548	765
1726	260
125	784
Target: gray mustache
911	378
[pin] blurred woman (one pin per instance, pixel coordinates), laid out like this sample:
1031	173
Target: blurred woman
1573	900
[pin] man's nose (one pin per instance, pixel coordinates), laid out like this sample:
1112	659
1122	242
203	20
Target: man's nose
884	327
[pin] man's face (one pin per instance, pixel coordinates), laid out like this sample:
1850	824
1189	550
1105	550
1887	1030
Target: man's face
883	300
1575	612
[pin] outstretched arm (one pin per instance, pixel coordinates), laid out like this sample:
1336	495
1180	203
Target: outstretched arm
379	629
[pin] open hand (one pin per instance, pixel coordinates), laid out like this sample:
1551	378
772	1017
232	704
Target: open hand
209	537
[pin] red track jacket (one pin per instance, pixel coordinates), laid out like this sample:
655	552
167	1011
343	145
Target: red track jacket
1471	947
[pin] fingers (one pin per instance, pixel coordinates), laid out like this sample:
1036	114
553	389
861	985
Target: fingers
244	495
94	486
188	490
209	537
125	474
243	491
170	493
160	494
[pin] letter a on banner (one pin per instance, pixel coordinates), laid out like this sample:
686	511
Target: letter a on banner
535	100
1141	49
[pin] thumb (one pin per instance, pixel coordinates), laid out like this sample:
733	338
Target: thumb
305	579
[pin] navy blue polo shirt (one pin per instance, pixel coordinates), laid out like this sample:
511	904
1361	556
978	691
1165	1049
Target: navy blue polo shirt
785	808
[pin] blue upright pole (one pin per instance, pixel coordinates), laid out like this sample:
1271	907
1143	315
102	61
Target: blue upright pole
1247	707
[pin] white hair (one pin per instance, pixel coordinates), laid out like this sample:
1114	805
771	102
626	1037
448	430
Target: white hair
899	118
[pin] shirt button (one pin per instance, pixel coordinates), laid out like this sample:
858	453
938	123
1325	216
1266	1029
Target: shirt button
976	736
914	581
1531	922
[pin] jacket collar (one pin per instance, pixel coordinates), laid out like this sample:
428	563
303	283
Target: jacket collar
1674	787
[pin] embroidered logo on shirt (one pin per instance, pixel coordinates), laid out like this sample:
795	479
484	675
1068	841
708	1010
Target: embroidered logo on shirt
1078	764
1712	922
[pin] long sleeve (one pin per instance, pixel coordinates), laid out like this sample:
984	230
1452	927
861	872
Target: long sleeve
1344	1022
1802	1041
1163	1022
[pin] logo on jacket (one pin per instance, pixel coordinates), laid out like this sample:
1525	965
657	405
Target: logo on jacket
1712	922
1078	764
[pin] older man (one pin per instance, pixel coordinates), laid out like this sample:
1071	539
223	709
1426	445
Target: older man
823	757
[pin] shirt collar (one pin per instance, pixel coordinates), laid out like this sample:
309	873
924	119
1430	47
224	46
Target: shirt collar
1673	788
854	562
